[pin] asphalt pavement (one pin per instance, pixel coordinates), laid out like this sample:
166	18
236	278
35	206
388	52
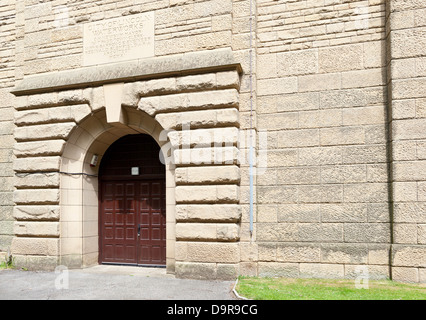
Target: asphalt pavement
109	283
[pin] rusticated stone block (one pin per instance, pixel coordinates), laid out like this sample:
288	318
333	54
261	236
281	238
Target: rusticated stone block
367	232
44	132
207	232
196	82
53	114
278	269
36	212
36	196
409	256
340	58
35	246
204	137
190	270
189	101
36	262
40	229
344	253
405	233
298	252
40	100
199	119
39	148
208	213
317	270
37	164
210	252
206	156
297	62
207	194
207	175
405	274
36	180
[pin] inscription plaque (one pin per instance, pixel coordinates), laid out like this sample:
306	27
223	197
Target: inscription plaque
119	39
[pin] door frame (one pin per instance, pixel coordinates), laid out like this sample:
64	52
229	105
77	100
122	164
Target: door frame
79	202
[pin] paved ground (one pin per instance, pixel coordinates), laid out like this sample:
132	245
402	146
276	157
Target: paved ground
107	283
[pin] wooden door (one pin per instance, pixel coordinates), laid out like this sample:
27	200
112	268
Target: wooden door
119	216
133	222
132	208
152	223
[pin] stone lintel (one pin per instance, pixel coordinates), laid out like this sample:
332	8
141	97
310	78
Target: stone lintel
128	71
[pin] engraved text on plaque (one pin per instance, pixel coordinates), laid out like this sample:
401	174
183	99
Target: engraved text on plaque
119	39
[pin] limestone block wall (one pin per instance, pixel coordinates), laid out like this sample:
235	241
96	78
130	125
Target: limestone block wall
7	74
322	204
406	31
336	87
180	26
44	123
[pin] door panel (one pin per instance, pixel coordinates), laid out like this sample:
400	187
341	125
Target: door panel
153	221
118	222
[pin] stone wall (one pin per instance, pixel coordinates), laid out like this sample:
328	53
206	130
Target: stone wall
323	202
334	90
8	63
406	30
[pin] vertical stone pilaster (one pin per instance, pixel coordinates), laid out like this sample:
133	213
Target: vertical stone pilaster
407	100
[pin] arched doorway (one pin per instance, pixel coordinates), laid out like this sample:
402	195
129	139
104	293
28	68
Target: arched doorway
132	203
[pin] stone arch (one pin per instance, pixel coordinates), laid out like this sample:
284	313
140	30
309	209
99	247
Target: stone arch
64	118
79	184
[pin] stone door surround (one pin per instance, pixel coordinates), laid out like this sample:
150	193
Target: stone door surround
64	118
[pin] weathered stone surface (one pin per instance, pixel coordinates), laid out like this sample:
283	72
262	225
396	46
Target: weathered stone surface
53	114
210	252
207	175
207	232
32	164
189	101
208	213
36	180
409	256
316	270
204	137
207	194
35	246
206	156
39	148
36	196
36	212
199	119
44	132
196	270
43	229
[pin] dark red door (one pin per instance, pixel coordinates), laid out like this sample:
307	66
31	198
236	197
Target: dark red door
119	222
133	222
152	223
132	214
